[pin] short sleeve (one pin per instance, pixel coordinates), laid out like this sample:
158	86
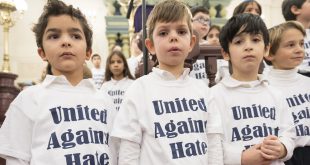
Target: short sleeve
16	134
214	117
126	124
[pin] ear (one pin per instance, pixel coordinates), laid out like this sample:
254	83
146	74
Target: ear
295	10
42	54
193	42
225	55
150	46
88	54
267	48
269	57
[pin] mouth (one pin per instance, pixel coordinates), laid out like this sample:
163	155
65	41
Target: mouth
298	58
174	49
66	54
249	57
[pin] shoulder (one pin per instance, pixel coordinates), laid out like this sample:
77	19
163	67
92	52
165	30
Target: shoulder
30	92
105	84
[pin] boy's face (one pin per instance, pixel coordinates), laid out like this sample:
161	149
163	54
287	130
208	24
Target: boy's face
246	52
172	41
201	24
96	61
64	45
290	52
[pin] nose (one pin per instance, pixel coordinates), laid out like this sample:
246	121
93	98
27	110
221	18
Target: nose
173	37
254	12
300	49
248	46
66	41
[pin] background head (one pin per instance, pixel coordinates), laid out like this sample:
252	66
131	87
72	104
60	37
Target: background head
136	44
95	56
109	73
213	35
168	11
242	23
197	9
201	20
248	6
289	6
276	36
96	60
56	8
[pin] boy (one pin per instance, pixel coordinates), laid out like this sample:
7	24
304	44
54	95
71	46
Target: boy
286	54
97	71
252	115
163	118
201	24
64	120
299	10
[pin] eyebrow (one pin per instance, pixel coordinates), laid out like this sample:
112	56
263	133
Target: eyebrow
71	30
168	26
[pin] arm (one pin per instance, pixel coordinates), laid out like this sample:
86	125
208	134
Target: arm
15	161
215	154
16	135
129	153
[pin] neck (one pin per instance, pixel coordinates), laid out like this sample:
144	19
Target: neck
306	24
118	77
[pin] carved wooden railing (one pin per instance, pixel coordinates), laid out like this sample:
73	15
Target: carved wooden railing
210	54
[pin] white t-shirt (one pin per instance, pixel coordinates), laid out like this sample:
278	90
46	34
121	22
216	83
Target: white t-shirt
250	111
57	123
305	66
116	89
133	63
199	71
222	70
98	76
168	117
296	90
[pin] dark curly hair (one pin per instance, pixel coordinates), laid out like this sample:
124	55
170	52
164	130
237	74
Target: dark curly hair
56	8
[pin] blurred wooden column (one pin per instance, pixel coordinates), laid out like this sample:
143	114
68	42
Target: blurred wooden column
7	94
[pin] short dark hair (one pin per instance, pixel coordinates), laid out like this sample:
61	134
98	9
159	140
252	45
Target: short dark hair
242	6
242	23
108	74
286	8
95	55
56	8
197	9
